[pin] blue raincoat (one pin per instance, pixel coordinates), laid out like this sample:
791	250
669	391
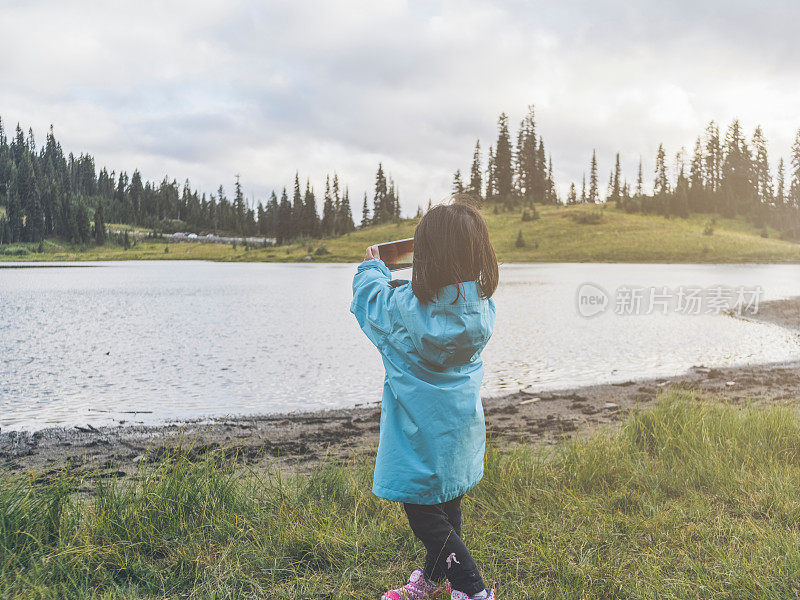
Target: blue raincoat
433	434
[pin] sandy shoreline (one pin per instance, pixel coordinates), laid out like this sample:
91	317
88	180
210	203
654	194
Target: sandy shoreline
299	440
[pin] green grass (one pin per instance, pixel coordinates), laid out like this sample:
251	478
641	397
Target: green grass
559	235
690	499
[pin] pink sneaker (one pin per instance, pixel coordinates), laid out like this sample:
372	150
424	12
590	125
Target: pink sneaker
417	588
456	595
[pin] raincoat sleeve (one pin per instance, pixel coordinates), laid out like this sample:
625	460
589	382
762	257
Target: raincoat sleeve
372	294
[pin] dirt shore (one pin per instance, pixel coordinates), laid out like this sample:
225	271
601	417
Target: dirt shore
300	440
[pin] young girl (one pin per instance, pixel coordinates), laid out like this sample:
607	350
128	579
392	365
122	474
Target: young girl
430	335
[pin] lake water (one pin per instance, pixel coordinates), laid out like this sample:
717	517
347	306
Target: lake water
153	342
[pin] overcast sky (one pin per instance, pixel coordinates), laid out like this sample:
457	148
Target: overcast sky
207	89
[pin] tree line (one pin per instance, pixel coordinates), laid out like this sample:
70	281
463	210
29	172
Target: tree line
514	175
728	174
45	192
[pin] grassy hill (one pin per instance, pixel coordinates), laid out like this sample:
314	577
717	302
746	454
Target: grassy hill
565	234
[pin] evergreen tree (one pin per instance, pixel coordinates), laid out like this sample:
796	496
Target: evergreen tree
14	209
736	173
503	174
795	185
272	216
28	194
240	207
680	205
594	194
639	182
475	181
572	197
551	196
296	228
136	195
285	227
780	189
491	184
310	219
696	193
661	183
99	225
616	191
365	212
262	219
713	159
584	199
531	183
540	176
762	180
381	211
327	209
82	220
458	187
345	216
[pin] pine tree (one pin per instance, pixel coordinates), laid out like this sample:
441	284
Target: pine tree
530	182
458	187
680	205
296	229
795	185
82	222
14	209
572	197
551	196
262	219
639	182
584	199
272	215
475	181
762	179
661	183
780	190
503	174
310	219
328	215
364	212
136	196
713	159
285	228
28	194
696	182
540	177
337	204
491	184
594	194
615	186
345	216
381	211
736	173
99	225
238	205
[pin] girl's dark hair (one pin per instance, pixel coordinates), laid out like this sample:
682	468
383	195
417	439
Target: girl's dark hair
451	245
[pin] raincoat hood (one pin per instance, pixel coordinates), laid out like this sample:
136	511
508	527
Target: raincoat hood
453	329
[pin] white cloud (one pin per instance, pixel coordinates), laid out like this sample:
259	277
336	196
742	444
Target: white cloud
206	89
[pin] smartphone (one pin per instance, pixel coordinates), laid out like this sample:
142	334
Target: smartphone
398	254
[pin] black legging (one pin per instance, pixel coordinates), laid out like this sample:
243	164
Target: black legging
438	526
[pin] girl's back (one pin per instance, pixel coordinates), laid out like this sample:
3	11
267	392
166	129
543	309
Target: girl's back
432	426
